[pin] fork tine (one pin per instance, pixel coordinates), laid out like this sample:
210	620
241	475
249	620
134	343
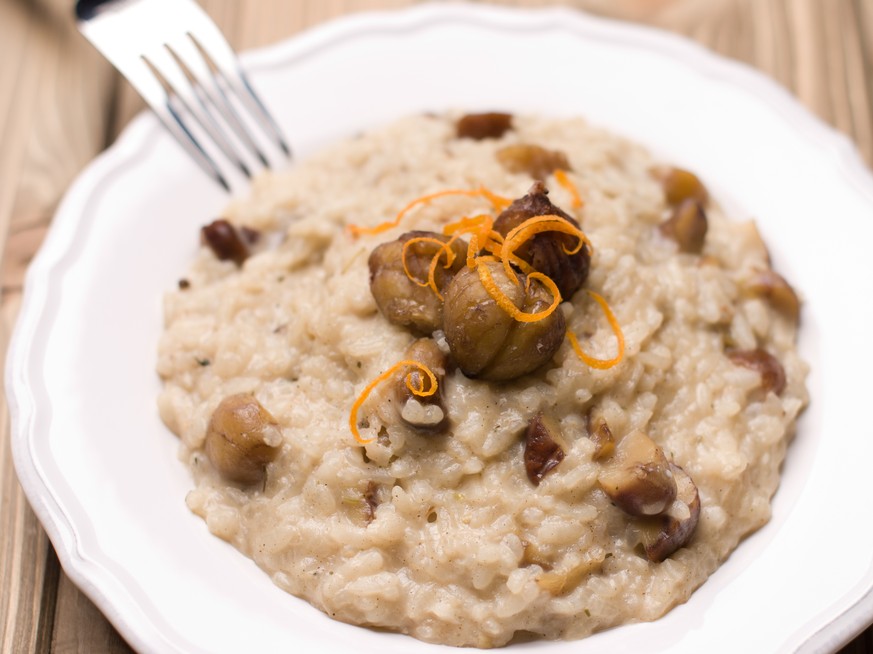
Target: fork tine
182	97
156	97
184	137
191	91
267	121
201	74
182	66
218	54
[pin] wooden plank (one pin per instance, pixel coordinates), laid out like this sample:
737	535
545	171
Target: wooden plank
27	581
858	75
80	628
45	66
44	150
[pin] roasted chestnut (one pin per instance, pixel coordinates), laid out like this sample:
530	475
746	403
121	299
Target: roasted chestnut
242	438
687	226
485	341
542	447
772	372
547	251
639	479
228	243
680	185
535	160
423	412
409	301
489	125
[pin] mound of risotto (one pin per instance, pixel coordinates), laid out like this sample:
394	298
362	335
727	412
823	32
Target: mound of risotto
482	378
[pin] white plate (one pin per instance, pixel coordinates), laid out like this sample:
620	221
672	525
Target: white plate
101	471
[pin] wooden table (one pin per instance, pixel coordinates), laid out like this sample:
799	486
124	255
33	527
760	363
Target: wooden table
61	104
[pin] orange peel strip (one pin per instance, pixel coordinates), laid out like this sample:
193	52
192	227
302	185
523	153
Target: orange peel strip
434	262
568	185
495	200
420	392
431	278
479	224
600	364
479	227
508	305
531	227
472	250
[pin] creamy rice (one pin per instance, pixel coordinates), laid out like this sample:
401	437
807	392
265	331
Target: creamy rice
444	537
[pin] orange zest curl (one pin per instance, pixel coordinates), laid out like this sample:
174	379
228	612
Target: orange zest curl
497	201
418	391
431	274
568	185
533	226
481	225
600	364
482	235
508	305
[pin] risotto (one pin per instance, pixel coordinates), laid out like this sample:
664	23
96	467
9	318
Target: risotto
482	378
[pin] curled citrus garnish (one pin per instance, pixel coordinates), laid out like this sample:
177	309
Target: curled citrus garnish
421	390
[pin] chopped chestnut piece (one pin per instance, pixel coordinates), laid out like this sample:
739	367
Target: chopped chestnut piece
423	412
547	251
402	300
490	125
687	226
771	286
242	438
639	480
772	372
535	160
541	449
488	343
227	242
680	185
371	501
664	534
601	435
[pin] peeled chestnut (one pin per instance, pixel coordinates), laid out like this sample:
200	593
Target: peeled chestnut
423	412
639	479
662	535
242	438
680	185
771	286
542	447
535	160
403	300
227	242
488	343
547	251
772	372
687	226
488	125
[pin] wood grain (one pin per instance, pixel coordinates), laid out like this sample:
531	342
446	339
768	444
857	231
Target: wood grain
61	104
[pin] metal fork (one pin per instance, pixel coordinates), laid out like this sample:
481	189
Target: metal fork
183	67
